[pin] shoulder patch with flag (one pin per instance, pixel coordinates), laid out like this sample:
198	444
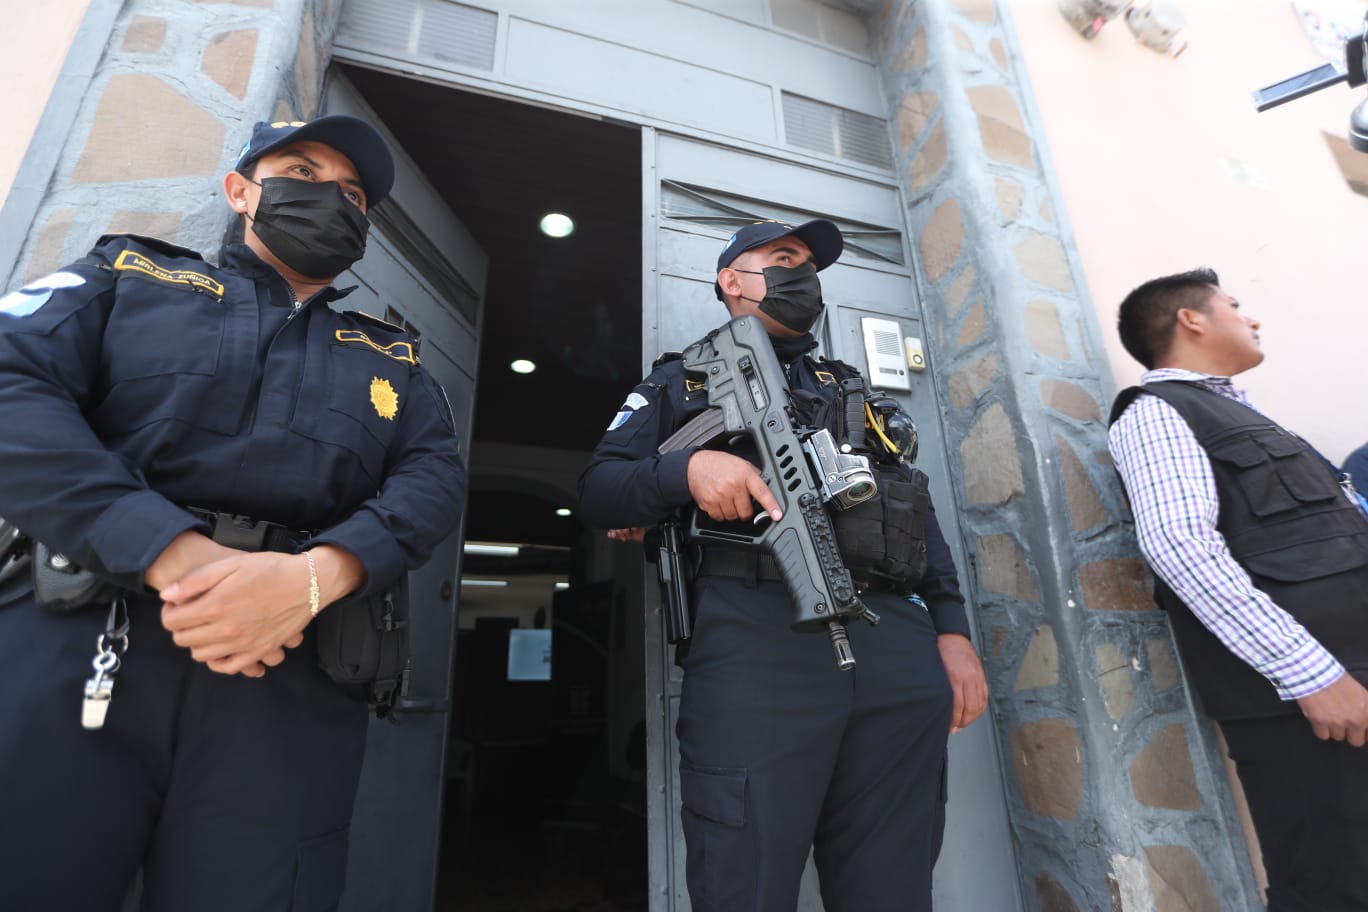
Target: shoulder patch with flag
27	300
634	402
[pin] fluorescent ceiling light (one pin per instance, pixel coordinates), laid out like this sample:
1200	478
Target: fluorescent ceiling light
492	549
557	225
490	583
562	511
523	366
562	584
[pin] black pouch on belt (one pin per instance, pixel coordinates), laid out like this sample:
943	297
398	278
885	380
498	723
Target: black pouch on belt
61	586
364	640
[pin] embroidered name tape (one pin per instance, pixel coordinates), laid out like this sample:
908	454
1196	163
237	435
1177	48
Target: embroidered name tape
399	351
129	261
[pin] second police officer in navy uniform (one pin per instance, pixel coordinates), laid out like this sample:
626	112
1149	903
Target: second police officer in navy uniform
142	383
781	752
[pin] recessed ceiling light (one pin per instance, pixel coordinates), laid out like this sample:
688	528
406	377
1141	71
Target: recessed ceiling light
562	511
523	366
557	225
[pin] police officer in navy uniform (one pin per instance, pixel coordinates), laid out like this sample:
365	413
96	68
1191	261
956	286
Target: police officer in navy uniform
145	396
780	751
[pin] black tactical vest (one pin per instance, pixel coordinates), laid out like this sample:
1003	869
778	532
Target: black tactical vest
882	540
1289	524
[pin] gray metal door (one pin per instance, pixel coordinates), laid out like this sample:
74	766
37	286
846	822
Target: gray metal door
422	269
696	194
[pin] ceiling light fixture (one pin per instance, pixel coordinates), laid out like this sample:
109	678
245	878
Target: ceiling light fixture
557	225
562	511
490	583
491	549
523	366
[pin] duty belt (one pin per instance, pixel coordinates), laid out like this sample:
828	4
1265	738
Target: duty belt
755	565
246	534
738	564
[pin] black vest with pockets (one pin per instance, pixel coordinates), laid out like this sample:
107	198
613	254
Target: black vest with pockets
1289	524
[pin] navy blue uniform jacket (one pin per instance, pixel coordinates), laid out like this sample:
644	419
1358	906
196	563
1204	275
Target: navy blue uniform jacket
627	483
142	379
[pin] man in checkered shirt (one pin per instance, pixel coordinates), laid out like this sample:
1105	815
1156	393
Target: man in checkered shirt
1260	553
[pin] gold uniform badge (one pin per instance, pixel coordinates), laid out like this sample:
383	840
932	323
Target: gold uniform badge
384	398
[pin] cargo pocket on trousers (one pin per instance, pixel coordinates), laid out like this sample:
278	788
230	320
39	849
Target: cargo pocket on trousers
320	872
721	850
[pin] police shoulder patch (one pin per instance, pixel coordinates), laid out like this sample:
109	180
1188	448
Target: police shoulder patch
628	408
27	300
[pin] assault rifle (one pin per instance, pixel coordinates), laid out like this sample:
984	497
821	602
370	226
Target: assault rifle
748	397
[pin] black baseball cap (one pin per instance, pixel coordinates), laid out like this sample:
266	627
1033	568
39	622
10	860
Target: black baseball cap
351	136
822	237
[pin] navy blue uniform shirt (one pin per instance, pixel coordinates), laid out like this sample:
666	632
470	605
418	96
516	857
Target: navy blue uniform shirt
627	483
142	379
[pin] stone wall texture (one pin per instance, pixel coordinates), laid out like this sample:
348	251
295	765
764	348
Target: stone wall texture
171	104
1116	795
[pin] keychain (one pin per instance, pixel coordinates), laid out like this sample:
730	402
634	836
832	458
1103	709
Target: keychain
109	648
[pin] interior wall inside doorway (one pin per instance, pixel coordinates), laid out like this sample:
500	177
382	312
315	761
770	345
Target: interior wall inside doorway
571	305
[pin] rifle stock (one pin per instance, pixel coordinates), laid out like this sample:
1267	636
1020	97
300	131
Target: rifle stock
748	394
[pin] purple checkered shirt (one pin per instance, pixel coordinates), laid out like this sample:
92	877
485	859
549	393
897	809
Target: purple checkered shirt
1173	497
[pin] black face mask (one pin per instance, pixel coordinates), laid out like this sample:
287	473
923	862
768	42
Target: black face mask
310	226
793	295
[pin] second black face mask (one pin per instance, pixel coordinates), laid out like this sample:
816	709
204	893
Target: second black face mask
311	226
793	296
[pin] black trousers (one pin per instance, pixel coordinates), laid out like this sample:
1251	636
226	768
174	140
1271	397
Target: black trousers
1309	802
229	793
781	752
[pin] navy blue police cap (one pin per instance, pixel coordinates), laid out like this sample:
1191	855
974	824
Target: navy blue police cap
822	237
353	137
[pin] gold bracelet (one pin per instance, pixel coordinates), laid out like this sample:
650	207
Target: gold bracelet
314	607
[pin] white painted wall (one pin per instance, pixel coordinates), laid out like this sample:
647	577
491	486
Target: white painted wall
28	70
1165	165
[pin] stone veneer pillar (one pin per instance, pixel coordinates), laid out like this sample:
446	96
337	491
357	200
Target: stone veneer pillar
173	100
1116	795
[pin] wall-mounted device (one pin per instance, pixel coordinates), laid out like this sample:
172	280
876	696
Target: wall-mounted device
890	358
916	358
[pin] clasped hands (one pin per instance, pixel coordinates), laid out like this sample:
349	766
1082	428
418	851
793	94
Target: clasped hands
237	611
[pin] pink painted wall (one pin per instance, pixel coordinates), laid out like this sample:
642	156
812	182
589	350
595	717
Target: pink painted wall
28	70
1164	165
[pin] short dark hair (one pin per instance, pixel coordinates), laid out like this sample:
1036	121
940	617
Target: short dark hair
1147	316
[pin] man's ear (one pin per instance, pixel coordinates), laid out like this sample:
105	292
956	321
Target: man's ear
728	281
235	191
1191	320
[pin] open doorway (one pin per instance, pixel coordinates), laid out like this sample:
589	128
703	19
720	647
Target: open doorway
544	784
